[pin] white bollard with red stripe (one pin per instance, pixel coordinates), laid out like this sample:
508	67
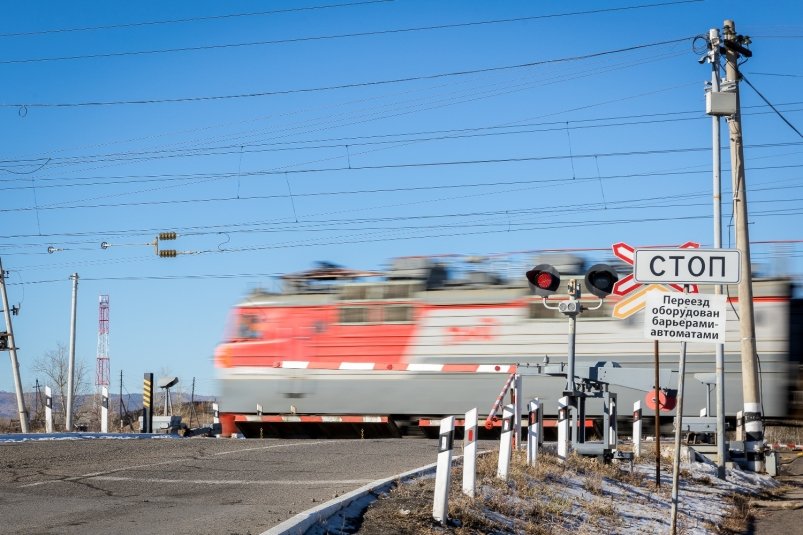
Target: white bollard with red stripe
637	428
48	410
104	410
443	472
563	428
470	453
535	431
506	442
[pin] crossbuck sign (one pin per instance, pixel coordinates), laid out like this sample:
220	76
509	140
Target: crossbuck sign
633	293
687	266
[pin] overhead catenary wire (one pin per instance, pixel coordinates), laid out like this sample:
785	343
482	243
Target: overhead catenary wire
635	204
325	225
251	148
407	165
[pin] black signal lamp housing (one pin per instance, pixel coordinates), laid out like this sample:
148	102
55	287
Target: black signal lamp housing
544	280
600	280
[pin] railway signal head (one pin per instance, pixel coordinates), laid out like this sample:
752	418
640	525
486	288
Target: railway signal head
544	280
600	280
3	340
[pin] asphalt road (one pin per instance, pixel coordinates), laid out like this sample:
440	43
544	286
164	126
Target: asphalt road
198	486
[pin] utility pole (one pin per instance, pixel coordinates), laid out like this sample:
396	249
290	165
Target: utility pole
713	58
71	368
12	351
121	401
754	425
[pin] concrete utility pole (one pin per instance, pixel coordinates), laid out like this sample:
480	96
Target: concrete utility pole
12	351
68	424
754	425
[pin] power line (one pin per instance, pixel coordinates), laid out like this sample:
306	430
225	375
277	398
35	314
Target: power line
66	204
332	37
384	236
190	19
377	139
257	148
784	119
325	225
342	86
774	74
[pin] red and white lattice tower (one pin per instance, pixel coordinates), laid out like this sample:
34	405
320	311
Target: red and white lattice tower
102	366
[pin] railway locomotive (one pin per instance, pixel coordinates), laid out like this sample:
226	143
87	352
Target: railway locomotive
431	337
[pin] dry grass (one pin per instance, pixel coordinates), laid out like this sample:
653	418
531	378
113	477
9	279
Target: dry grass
533	500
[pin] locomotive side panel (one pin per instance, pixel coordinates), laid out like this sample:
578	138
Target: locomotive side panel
344	356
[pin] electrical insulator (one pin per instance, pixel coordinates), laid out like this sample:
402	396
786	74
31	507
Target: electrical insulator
168	253
167	236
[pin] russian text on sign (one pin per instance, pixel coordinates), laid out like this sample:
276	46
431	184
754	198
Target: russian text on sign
687	266
684	318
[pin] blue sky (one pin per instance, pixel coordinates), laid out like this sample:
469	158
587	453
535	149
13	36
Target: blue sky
354	132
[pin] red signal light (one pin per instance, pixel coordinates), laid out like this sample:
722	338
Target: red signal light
543	280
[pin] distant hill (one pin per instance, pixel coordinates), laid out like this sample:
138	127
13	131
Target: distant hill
133	402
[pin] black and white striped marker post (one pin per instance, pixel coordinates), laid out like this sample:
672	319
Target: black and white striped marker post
637	428
505	442
611	422
104	410
48	410
563	428
470	453
535	431
517	390
216	420
443	472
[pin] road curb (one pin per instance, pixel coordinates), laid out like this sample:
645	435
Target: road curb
357	500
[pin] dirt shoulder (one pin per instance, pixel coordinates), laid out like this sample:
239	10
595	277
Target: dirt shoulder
784	514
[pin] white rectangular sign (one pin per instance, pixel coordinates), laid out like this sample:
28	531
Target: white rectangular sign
687	266
685	317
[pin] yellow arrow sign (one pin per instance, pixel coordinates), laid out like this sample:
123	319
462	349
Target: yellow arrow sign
636	301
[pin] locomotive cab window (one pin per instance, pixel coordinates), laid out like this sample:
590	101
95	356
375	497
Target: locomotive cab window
247	327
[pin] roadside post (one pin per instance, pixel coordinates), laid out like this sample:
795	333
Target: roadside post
563	428
505	442
517	393
48	409
147	404
216	431
535	431
612	429
104	410
637	428
440	505
470	453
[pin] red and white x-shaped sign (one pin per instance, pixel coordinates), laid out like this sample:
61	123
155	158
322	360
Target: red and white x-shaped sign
634	293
